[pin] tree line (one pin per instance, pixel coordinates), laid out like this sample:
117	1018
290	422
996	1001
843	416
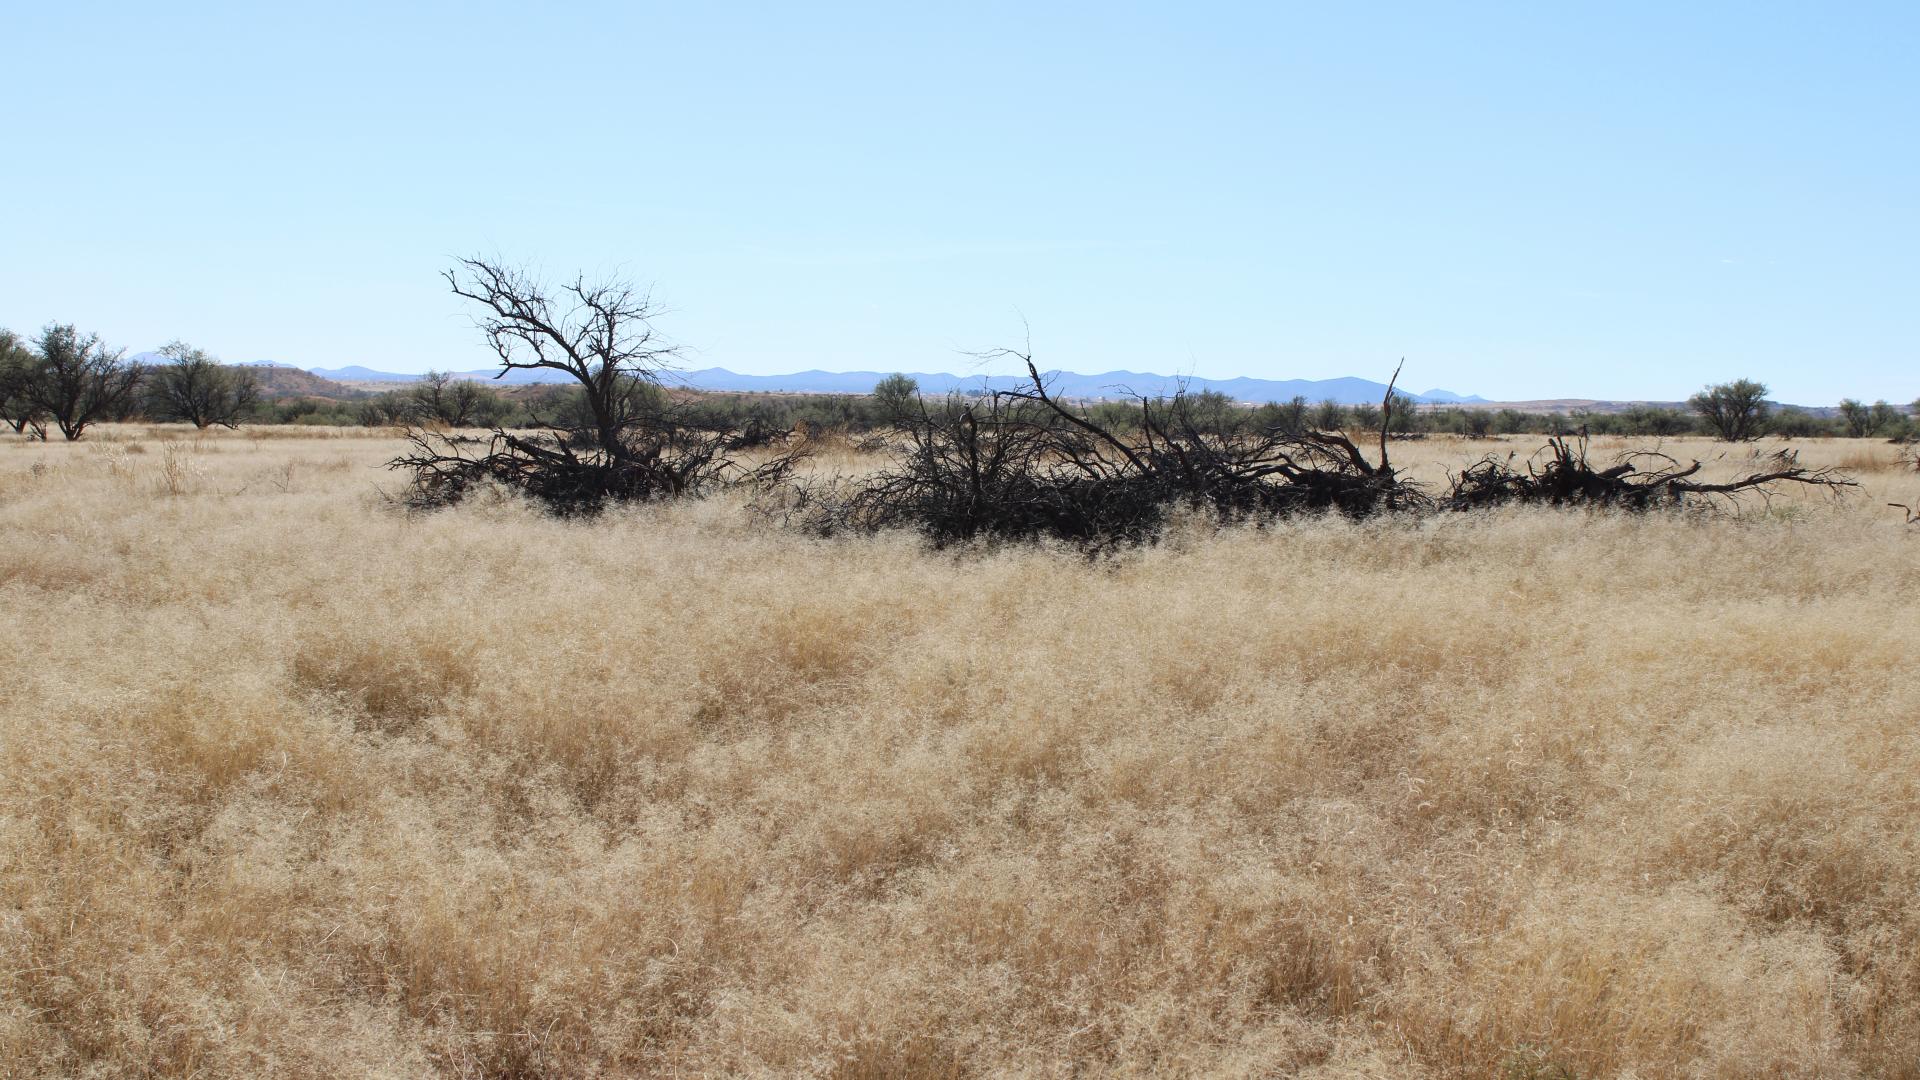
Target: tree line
66	381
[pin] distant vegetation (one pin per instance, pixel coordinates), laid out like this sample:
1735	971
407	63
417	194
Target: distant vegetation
62	372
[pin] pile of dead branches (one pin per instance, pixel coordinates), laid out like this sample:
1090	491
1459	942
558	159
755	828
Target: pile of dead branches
995	467
1024	465
570	474
1237	471
1561	475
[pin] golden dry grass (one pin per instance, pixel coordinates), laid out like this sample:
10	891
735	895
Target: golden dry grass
293	785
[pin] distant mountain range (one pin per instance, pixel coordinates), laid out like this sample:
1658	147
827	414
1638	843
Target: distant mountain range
1111	384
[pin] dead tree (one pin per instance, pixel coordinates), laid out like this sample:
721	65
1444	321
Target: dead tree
600	334
630	440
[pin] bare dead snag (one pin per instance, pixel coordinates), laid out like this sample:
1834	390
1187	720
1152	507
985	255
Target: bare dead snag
1386	411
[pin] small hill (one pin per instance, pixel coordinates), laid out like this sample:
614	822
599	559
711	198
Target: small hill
279	381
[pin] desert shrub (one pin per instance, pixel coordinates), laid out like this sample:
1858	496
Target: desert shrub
1472	423
1798	424
1291	415
1737	411
895	394
1652	420
1861	421
442	398
76	381
319	412
197	389
1510	422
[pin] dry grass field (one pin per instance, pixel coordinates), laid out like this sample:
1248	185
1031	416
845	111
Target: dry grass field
292	784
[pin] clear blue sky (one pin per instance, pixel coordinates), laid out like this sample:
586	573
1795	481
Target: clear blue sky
1603	200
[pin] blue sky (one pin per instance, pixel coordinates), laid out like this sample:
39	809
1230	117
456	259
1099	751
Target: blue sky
1524	200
